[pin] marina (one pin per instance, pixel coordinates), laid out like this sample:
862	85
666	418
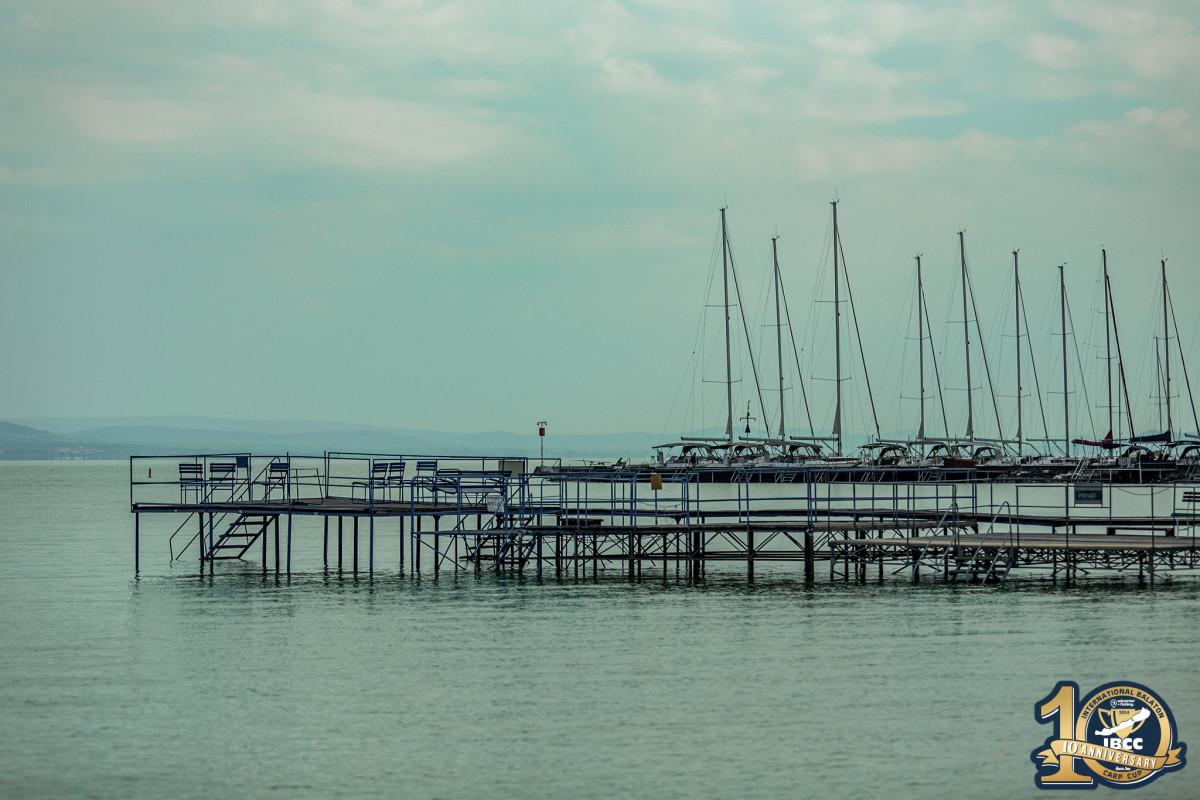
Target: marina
503	514
989	445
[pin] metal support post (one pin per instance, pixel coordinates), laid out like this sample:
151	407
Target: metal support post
749	551
810	569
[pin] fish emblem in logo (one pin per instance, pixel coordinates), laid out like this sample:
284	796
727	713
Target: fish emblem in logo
1121	722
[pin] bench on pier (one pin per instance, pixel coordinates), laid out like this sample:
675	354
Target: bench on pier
384	475
191	479
1191	498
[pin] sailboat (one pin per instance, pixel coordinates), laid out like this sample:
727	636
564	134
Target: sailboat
787	450
948	456
744	455
729	457
1161	462
1109	442
718	458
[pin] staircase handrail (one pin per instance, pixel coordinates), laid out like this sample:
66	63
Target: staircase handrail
983	539
940	524
207	497
171	541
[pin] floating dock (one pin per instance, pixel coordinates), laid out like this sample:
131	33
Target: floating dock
481	513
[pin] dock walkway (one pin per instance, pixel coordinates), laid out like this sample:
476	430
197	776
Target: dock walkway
498	514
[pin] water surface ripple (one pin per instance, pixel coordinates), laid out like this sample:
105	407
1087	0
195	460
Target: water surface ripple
326	685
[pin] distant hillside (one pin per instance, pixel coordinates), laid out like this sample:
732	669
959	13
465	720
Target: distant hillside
119	438
74	425
22	443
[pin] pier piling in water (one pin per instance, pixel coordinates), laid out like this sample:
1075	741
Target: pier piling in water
496	515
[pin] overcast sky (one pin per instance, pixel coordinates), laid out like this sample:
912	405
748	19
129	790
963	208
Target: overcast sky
476	215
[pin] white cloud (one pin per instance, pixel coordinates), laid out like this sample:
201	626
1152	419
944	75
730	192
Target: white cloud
128	117
864	155
880	156
237	105
626	75
368	132
1142	139
983	147
1118	47
1055	51
416	86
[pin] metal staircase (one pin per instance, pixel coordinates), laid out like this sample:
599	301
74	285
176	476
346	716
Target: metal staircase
992	558
238	537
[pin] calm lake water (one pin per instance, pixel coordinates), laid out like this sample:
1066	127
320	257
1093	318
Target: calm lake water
173	685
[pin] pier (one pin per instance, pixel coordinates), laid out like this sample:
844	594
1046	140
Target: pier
502	514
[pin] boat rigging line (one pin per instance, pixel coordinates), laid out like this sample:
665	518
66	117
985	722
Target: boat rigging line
746	331
970	287
795	352
861	353
1179	345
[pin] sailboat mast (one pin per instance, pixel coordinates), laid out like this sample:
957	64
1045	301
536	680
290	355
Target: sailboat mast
962	254
1120	359
1158	381
728	362
937	375
837	334
1017	315
921	346
1107	338
778	333
1062	296
1183	362
1166	346
1037	384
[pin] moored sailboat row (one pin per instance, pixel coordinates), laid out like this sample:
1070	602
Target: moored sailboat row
1124	454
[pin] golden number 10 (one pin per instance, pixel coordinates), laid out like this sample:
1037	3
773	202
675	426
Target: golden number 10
1061	705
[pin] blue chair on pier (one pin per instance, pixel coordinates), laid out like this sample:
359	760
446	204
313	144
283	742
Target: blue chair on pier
191	479
395	478
426	477
223	475
379	471
279	474
384	475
